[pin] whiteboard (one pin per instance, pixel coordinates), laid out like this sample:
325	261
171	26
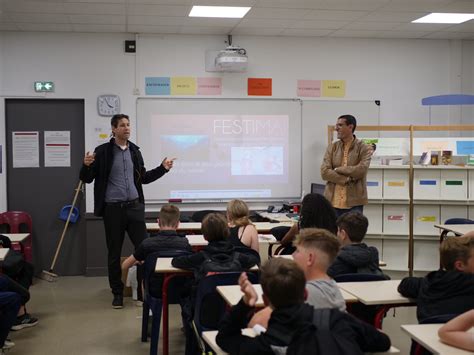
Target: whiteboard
225	148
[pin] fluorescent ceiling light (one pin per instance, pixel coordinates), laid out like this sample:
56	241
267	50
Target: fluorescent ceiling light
219	11
437	17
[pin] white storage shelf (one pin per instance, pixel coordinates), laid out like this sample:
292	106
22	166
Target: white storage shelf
440	192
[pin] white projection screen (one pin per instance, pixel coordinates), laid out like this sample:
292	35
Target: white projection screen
224	148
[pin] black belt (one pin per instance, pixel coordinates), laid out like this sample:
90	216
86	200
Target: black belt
123	204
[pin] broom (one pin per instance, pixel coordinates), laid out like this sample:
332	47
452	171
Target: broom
50	275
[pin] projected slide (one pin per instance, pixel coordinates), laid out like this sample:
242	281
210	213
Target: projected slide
223	149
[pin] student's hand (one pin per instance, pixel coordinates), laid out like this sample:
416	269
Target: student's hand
250	295
168	163
89	159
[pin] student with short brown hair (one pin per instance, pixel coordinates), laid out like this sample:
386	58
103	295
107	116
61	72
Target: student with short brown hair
355	257
449	290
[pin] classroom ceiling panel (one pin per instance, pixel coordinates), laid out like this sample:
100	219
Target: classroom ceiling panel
155	20
318	18
334	15
275	13
98	28
98	19
305	32
246	31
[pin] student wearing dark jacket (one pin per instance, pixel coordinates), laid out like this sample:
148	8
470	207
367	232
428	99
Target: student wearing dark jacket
283	285
446	291
215	231
355	257
167	239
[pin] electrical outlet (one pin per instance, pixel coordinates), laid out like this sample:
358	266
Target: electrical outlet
136	91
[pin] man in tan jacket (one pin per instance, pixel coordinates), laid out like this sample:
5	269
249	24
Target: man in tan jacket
345	168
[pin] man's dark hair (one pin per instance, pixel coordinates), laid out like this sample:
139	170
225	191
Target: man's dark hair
350	120
283	282
317	212
116	118
355	224
214	227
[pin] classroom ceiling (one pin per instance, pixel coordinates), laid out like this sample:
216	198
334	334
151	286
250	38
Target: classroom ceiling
312	18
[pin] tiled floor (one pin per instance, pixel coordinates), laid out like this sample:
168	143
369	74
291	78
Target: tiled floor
76	317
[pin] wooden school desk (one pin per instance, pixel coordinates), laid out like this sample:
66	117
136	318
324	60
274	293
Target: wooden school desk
210	338
427	336
380	293
232	295
197	240
458	229
23	241
163	266
262	227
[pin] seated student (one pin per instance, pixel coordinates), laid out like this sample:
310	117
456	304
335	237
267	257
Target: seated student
456	331
354	256
215	230
315	251
20	278
283	284
316	212
10	302
449	290
166	239
242	232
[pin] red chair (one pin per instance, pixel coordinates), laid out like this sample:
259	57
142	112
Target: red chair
20	222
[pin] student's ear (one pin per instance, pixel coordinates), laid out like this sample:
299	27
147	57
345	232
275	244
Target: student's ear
305	296
460	266
177	225
158	221
311	258
341	233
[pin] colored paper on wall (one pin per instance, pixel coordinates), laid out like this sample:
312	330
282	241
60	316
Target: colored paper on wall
426	219
399	217
454	182
334	88
430	146
157	86
396	183
259	87
308	88
209	86
427	182
183	85
372	183
465	147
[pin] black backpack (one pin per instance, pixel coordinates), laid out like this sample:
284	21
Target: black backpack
318	338
218	263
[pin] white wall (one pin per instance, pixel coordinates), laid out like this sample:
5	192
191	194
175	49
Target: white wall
397	72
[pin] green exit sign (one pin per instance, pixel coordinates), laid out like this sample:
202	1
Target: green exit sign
44	86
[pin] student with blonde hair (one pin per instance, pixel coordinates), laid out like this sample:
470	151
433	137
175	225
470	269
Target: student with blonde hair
242	232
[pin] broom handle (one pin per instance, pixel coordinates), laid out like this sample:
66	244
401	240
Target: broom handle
65	226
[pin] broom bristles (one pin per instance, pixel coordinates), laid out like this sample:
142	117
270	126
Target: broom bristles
48	276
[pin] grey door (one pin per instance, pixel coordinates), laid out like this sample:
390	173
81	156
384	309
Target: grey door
43	191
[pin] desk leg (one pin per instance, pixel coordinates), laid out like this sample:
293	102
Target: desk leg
384	309
164	293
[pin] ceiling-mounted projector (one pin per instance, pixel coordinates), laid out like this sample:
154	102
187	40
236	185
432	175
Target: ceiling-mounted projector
231	59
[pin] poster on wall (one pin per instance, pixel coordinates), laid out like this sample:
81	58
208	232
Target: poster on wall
25	149
57	148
